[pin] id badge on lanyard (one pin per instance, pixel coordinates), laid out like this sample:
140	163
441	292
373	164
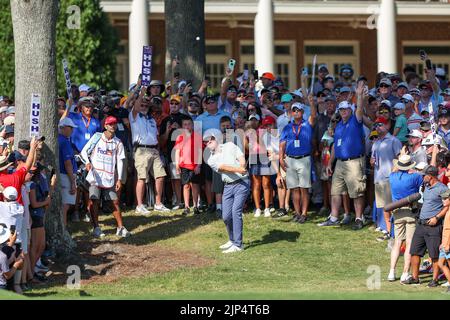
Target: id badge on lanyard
296	133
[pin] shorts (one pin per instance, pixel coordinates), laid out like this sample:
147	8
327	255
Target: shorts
67	198
426	237
443	254
148	160
404	224
383	194
260	169
349	177
108	194
189	176
298	173
37	222
217	183
173	171
207	172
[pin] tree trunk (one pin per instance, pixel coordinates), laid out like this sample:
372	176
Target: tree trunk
34	25
185	38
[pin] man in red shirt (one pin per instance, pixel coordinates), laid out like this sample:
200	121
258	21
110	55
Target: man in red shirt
17	178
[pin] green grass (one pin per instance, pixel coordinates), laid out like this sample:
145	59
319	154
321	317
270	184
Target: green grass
282	260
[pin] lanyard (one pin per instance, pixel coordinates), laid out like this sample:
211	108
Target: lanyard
89	121
297	133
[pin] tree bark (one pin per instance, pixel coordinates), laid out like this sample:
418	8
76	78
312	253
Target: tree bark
34	26
185	38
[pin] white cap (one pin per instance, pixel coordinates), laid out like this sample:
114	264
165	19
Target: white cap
11	109
344	105
83	88
9	120
297	105
408	97
10	193
387	102
298	93
3	109
415	133
399	106
421	165
67	122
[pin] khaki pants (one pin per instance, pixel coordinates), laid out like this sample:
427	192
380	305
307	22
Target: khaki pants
404	224
148	160
349	177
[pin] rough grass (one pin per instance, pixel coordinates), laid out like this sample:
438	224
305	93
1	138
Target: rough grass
176	257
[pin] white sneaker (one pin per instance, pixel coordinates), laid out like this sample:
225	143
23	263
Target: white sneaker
161	208
267	213
177	207
404	277
142	210
378	229
391	276
98	233
123	232
257	213
272	209
232	249
446	284
86	218
226	245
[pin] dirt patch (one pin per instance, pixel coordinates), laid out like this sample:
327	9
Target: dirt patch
104	262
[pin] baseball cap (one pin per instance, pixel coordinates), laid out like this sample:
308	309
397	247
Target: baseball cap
254	116
425	85
67	122
297	93
386	81
268	120
425	125
415	134
3	109
175	97
444	112
414	91
287	97
297	105
268	75
9	120
323	66
215	133
421	165
86	101
232	88
407	98
344	90
24	144
330	98
443	93
381	120
110	120
402	84
399	106
10	193
387	102
431	170
344	105
11	110
83	87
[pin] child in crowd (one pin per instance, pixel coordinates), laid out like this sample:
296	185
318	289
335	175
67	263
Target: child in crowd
401	127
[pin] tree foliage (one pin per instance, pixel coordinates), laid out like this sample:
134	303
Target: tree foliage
90	50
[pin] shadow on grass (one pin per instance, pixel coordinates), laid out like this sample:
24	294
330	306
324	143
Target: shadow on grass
275	236
40	295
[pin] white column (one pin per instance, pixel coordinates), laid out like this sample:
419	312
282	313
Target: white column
387	37
137	37
263	37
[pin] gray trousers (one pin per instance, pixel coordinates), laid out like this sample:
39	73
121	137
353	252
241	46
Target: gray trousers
233	200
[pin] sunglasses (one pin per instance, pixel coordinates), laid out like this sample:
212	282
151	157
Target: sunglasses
383	112
241	95
193	104
378	124
210	101
384	86
297	110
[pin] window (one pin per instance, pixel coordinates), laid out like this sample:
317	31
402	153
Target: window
334	54
217	54
439	53
284	60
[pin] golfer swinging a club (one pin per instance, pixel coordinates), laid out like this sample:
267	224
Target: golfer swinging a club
229	160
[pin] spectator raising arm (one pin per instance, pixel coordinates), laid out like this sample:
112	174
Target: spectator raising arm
313	116
32	155
361	99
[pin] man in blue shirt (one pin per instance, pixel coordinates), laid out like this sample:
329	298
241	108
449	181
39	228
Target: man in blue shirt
210	119
86	124
67	165
296	145
403	184
348	149
444	125
428	233
384	150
